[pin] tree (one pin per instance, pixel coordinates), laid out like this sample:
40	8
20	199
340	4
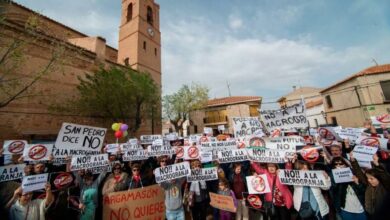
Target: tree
177	106
14	50
120	94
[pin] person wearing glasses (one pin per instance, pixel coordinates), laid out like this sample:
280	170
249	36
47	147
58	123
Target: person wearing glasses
135	179
348	197
116	181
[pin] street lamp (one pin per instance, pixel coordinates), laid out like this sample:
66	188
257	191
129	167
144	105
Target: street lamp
324	115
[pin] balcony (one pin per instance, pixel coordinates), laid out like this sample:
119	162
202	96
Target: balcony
215	120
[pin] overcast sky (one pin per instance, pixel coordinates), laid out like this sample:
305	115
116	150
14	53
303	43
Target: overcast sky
261	47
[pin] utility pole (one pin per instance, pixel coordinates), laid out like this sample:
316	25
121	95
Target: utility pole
228	85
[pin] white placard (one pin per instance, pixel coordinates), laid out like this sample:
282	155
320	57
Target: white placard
78	138
303	178
14	146
258	184
88	162
286	118
364	153
206	157
246	126
130	146
231	156
11	172
207	130
352	134
112	148
219	145
372	141
187	152
342	175
268	156
381	120
171	172
148	139
221	127
134	155
34	182
204	174
37	152
160	150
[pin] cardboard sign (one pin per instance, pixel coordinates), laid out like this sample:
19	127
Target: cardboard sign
286	118
11	172
204	174
252	201
135	155
148	139
14	146
342	175
34	182
246	126
222	202
268	156
141	203
231	156
160	150
37	152
78	138
187	152
171	172
364	153
310	153
258	184
302	178
61	180
88	162
372	142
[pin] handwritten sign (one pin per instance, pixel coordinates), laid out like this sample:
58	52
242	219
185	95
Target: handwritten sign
230	156
204	174
37	152
142	203
286	118
267	155
14	146
364	155
160	150
78	137
148	139
34	182
129	146
134	155
11	172
171	172
246	126
222	202
219	145
303	178
88	162
258	184
342	175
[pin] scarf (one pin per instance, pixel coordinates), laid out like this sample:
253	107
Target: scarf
195	187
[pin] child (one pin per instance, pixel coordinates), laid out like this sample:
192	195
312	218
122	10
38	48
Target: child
223	189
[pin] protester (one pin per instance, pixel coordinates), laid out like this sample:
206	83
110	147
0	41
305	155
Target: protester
116	181
224	189
135	181
238	182
198	195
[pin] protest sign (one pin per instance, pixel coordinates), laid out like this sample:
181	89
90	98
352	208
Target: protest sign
112	148
252	201
187	152
61	180
103	169
267	155
219	145
381	120
364	153
37	152
34	182
74	139
342	175
329	133
148	139
129	146
14	146
160	150
352	134
286	118
178	142
204	174
372	141
221	127
206	157
171	136
246	126
11	172
171	172
134	155
88	162
303	178
258	184
141	203
208	131
222	202
310	153
231	156
287	143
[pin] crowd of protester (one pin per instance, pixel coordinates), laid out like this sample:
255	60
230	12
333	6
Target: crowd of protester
366	197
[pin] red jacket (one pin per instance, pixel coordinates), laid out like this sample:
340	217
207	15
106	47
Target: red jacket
287	196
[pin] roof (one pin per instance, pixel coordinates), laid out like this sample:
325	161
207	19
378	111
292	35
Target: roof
314	103
232	100
369	71
301	91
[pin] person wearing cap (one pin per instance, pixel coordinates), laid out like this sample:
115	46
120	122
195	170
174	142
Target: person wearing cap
135	181
116	181
23	208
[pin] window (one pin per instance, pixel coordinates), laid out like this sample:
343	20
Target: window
155	51
144	45
386	90
334	121
149	15
129	12
126	61
253	112
195	129
328	101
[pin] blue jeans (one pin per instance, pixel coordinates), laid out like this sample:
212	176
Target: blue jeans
352	216
177	214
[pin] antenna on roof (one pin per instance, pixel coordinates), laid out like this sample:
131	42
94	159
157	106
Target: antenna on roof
373	60
228	85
